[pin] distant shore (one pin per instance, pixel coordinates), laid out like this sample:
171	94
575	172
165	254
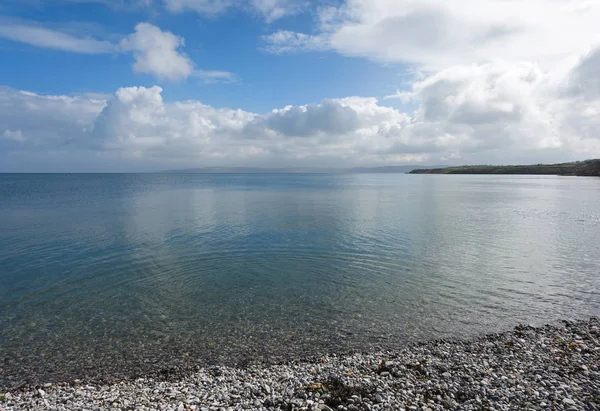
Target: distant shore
527	368
580	168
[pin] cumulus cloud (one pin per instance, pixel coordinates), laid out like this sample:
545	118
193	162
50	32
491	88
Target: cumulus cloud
471	110
156	52
329	117
436	34
584	79
498	80
497	112
499	84
137	123
47	120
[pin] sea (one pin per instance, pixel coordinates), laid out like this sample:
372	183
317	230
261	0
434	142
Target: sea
107	276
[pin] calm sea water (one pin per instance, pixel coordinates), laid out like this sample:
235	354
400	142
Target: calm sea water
104	275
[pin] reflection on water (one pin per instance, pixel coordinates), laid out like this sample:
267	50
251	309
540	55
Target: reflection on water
101	274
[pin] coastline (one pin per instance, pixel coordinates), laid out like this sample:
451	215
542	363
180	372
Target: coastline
588	168
548	367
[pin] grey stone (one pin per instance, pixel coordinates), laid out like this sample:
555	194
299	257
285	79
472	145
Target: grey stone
441	375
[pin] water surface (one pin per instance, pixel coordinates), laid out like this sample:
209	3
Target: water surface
108	275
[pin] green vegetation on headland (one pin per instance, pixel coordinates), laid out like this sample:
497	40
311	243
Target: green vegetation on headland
579	168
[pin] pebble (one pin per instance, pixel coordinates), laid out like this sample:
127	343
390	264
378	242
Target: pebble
518	372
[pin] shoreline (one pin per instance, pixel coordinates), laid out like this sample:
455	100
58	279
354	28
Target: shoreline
547	367
587	168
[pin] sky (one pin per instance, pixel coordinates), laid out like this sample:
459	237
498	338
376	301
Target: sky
143	85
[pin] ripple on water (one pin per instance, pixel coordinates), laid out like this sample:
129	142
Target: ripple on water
109	275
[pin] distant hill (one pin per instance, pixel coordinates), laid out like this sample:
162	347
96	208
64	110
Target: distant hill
309	170
579	168
386	169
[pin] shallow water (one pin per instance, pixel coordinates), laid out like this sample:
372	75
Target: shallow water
108	275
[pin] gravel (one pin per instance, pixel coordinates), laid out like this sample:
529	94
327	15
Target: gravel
547	368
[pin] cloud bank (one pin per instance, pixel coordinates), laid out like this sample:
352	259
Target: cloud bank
486	113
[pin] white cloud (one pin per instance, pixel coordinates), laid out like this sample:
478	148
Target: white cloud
137	123
584	80
476	109
53	39
16	135
502	81
481	113
272	10
330	118
206	7
284	41
37	127
215	76
498	79
269	10
129	5
156	52
436	34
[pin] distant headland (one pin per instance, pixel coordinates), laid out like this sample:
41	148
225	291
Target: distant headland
296	170
578	168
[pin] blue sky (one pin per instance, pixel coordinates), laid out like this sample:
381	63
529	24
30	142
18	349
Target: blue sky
231	42
137	85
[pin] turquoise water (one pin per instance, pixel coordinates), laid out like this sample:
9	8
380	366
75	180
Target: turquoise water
114	275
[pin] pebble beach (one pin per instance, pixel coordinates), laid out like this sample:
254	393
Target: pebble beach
528	368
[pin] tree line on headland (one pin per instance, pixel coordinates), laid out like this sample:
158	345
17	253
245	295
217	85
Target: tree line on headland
578	168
